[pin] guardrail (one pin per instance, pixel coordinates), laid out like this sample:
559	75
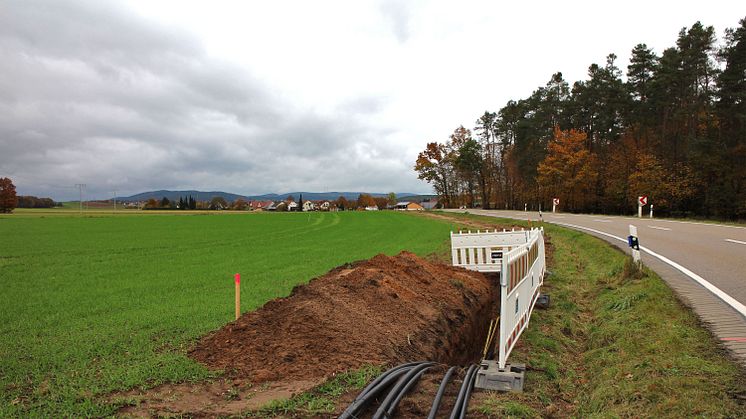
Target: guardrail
520	259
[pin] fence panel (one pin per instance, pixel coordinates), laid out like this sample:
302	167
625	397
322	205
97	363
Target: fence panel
522	274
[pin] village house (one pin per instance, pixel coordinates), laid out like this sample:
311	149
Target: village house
408	206
309	206
259	205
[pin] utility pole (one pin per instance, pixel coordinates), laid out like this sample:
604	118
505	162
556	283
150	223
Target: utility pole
80	187
115	199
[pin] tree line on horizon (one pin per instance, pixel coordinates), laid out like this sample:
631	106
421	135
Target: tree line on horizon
674	130
363	200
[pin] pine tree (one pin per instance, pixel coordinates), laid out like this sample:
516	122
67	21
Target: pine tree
640	72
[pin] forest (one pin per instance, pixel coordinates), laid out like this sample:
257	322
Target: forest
672	128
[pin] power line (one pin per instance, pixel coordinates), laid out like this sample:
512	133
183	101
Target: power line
80	187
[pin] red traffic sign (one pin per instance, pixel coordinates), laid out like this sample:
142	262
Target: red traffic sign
555	201
643	200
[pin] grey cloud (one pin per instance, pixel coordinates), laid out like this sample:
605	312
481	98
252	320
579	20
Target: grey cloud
398	13
91	93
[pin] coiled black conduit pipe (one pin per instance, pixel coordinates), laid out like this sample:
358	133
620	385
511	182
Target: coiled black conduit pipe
441	391
388	405
465	405
462	392
406	376
375	388
384	375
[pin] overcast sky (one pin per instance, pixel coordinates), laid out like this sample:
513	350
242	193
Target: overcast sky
279	96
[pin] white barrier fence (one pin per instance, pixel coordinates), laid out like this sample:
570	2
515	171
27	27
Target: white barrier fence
519	257
483	251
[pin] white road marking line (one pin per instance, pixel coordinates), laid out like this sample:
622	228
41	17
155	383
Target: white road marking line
602	221
735	304
660	228
735	241
683	222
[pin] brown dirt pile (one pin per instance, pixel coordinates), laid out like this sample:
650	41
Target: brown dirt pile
385	310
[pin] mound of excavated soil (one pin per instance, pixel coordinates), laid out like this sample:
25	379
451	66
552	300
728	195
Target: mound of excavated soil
385	310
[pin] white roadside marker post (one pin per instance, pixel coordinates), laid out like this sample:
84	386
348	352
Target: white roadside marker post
651	210
634	243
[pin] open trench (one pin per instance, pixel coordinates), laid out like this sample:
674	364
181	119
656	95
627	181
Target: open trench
383	311
464	348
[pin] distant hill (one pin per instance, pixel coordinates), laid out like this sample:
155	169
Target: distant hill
314	196
175	195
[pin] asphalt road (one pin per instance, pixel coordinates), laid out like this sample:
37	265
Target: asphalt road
704	263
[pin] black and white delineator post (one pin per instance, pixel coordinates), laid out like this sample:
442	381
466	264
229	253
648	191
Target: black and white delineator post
634	244
519	257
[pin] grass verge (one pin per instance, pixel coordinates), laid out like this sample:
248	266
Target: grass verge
615	342
321	400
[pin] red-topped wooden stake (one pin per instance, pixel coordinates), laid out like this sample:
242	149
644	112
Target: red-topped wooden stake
237	278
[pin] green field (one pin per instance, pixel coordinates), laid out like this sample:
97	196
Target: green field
96	304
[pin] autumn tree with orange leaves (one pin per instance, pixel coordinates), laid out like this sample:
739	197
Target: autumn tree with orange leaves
568	170
674	130
434	165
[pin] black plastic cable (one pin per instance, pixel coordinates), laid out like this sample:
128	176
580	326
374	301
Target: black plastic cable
362	402
465	405
384	375
441	391
401	384
403	392
375	388
462	393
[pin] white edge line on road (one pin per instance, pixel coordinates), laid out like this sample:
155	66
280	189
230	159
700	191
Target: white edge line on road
735	241
682	222
663	220
660	228
736	305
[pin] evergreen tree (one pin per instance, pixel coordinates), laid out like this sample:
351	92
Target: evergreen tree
640	72
730	199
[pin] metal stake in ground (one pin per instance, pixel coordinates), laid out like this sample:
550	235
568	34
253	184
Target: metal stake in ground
237	278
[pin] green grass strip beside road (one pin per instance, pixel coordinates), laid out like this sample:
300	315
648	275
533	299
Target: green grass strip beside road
615	342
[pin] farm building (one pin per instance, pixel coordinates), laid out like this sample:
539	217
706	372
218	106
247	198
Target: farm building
429	205
259	205
408	206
